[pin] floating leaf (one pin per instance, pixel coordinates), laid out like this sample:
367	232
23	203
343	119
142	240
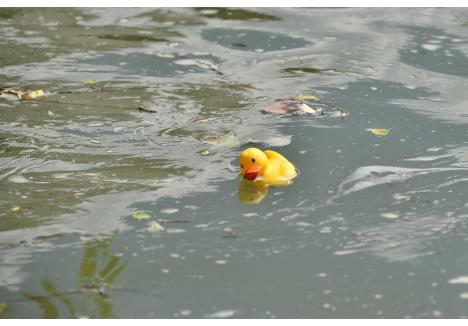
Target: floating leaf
308	70
204	64
341	113
32	95
304	107
142	215
89	81
15	209
48	308
154	227
228	140
379	132
284	106
3	308
146	109
303	97
235	14
131	38
22	94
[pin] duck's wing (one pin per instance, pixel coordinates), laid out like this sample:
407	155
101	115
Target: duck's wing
275	155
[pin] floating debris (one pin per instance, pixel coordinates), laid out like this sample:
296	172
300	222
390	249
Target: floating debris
306	70
146	109
341	113
379	132
142	215
204	64
22	94
89	82
285	106
304	97
91	288
15	209
204	152
154	227
228	140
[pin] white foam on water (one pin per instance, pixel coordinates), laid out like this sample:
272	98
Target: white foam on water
390	215
430	47
459	280
169	210
222	314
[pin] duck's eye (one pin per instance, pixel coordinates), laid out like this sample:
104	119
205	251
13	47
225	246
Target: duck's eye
253	160
242	166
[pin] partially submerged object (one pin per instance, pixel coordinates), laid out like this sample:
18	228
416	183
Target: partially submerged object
22	94
261	169
267	166
292	106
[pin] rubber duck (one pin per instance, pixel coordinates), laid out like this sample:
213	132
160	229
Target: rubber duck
267	166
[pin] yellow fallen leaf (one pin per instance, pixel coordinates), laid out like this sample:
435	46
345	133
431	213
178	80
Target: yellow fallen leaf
15	209
303	97
89	81
142	215
379	132
154	227
31	95
304	107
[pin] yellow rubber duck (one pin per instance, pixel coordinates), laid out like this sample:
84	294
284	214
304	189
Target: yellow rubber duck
268	167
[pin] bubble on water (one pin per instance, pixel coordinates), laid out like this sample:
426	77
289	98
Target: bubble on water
436	313
322	275
221	262
222	314
390	215
430	47
345	252
185	312
18	179
459	280
169	210
175	231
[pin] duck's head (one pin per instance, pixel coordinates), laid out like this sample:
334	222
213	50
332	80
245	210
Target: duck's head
253	163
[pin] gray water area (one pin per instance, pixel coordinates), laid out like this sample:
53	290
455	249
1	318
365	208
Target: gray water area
373	226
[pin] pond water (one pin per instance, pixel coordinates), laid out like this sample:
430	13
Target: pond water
373	227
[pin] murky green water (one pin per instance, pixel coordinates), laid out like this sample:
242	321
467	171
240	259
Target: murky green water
373	226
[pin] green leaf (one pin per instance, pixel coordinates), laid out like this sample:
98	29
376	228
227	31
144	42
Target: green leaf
110	279
109	266
88	262
104	306
3	307
50	288
49	310
142	215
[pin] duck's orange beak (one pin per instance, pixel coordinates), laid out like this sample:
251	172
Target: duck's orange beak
252	172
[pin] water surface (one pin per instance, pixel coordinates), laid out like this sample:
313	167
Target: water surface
373	227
